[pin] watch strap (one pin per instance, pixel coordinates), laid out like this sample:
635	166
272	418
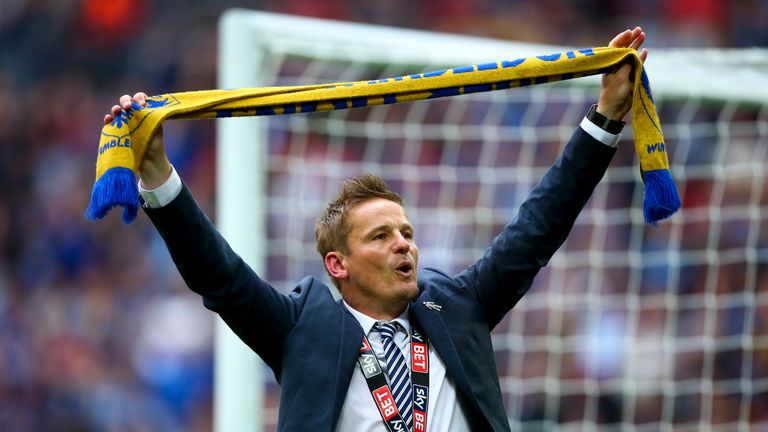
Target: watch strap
609	125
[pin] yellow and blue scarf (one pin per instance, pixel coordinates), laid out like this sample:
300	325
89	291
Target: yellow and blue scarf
124	141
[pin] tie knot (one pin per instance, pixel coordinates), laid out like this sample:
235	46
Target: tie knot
387	329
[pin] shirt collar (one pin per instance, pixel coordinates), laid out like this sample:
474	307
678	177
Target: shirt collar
367	322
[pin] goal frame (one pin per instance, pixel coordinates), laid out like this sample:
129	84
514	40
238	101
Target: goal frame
245	36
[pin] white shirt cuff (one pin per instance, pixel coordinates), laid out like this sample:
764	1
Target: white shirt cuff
599	134
163	194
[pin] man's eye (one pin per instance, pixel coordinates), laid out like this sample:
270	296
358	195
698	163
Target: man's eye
380	236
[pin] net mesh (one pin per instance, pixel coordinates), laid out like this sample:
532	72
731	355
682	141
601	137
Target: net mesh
629	327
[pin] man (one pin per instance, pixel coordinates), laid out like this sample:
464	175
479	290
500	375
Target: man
403	349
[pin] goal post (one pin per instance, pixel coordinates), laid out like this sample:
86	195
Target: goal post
241	152
629	327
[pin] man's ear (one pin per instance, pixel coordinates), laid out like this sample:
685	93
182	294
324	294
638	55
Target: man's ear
335	265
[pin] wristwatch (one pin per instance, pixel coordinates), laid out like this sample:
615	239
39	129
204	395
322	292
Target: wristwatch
603	122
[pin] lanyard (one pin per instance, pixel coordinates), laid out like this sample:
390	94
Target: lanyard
377	383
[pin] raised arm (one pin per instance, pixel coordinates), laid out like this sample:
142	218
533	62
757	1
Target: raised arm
255	311
506	271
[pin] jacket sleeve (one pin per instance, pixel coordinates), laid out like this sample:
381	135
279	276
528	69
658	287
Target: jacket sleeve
256	312
506	271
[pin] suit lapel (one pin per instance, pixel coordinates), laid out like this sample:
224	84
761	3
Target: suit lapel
431	321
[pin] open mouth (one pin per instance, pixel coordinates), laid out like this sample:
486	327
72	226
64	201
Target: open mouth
405	269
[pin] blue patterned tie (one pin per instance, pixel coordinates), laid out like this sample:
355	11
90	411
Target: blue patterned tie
398	371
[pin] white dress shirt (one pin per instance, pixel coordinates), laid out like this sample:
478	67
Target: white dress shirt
359	412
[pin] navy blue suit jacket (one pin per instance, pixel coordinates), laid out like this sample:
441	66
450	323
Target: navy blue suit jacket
311	341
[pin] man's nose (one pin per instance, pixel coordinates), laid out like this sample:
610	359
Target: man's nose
402	245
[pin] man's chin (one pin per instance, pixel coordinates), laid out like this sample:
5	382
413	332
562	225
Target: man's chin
412	291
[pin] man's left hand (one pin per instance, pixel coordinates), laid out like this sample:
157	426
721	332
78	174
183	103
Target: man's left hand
616	92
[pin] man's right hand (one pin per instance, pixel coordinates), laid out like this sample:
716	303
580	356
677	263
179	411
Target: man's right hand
155	168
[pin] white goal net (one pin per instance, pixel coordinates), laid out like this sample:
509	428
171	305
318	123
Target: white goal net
629	327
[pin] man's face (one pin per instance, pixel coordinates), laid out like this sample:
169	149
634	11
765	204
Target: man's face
381	260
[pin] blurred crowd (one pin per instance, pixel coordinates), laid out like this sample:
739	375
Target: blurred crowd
97	331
